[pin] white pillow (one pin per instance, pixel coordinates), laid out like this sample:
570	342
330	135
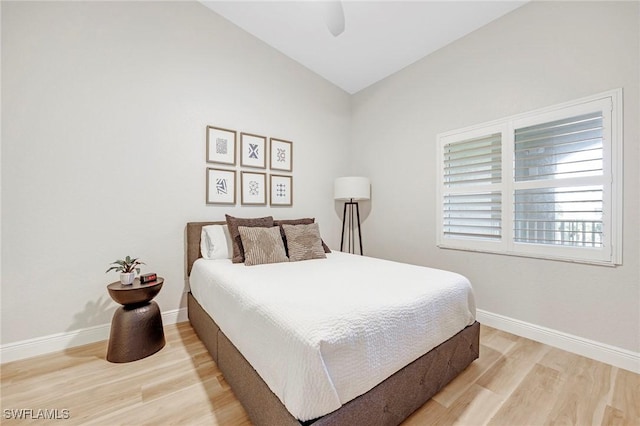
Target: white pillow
215	242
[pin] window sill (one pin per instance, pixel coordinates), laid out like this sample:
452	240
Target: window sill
535	256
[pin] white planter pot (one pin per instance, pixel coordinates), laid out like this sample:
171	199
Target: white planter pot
127	278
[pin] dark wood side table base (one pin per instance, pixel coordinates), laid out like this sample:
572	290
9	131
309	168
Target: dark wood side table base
136	332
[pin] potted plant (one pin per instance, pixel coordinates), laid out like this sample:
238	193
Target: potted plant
128	267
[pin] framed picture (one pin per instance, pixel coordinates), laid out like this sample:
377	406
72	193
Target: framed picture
253	150
281	193
254	188
221	145
281	155
221	186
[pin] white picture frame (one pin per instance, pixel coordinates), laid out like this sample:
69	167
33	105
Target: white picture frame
281	155
253	188
221	146
281	190
221	186
253	150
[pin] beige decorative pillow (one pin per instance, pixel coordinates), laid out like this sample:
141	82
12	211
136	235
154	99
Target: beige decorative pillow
304	242
303	221
234	222
262	245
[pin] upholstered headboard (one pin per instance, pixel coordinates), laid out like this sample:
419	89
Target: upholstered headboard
194	229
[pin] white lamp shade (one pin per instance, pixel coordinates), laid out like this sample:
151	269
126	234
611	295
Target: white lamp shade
356	188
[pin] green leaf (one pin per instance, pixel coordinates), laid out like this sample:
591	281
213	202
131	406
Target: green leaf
126	265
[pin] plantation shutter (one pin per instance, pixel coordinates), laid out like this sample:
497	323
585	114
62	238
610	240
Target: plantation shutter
472	206
558	197
566	148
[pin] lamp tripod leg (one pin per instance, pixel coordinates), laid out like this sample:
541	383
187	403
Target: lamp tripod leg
344	217
352	242
359	232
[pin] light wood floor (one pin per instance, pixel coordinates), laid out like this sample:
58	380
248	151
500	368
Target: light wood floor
514	382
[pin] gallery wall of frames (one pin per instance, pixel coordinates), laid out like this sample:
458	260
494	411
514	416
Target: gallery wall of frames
257	168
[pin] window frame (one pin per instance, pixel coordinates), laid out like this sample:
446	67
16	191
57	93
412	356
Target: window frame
610	103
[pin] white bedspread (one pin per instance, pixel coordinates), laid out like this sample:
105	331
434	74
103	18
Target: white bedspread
322	332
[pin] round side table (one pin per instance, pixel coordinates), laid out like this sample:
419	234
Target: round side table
136	327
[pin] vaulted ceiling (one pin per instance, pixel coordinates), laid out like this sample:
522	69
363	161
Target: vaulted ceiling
379	37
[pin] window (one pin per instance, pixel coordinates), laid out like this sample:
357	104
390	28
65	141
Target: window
542	184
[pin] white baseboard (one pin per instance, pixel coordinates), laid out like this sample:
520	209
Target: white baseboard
615	356
69	339
612	355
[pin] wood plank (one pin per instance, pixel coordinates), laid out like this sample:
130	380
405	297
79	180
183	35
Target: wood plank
585	390
507	373
615	417
498	340
430	413
447	396
626	396
530	403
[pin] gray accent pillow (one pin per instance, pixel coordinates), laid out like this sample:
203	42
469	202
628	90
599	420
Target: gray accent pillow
262	245
304	242
234	222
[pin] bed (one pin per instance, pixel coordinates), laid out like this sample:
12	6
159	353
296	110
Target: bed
388	402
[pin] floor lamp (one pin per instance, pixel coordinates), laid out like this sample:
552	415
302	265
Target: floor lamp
351	190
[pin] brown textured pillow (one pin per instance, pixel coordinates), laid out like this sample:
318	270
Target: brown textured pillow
304	242
304	221
234	222
262	245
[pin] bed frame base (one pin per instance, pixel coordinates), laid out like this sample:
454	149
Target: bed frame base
389	403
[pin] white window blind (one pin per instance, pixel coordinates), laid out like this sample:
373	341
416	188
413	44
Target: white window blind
559	216
557	213
474	161
474	215
542	184
468	164
560	149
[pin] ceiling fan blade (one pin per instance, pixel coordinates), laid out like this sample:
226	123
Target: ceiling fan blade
334	17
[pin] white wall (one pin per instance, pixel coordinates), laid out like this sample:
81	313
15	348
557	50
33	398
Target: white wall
539	55
103	146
